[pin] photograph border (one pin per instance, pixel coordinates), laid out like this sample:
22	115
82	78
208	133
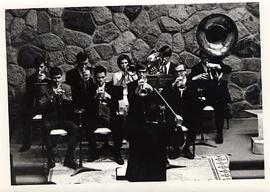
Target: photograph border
234	185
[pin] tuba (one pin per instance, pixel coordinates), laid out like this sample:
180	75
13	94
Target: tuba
216	35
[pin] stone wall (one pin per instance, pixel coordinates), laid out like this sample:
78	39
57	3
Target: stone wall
106	32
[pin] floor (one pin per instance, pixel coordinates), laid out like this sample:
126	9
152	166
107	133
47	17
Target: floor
237	145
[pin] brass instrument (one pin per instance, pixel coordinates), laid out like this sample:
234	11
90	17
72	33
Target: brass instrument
217	34
59	95
154	63
142	89
100	93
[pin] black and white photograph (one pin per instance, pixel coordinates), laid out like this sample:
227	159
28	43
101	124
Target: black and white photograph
133	93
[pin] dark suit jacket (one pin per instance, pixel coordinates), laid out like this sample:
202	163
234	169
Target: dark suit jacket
211	90
82	91
171	68
183	105
33	88
52	106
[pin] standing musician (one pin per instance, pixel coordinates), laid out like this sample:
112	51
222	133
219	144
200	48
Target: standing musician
181	98
33	83
207	79
167	67
147	150
159	62
81	82
119	101
54	104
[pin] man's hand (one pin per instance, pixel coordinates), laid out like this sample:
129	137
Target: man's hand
213	65
41	76
202	76
178	119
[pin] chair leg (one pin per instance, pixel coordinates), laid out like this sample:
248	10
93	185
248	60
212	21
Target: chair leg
193	148
228	122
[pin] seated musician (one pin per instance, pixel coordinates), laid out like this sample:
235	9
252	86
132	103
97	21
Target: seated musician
181	99
207	79
102	106
33	82
54	104
145	132
119	107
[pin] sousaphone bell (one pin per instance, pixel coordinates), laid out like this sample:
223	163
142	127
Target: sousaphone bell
216	35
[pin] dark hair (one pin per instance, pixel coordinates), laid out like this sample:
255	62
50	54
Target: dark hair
122	57
81	56
99	69
38	60
165	51
55	71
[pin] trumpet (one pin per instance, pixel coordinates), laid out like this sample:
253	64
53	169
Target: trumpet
143	88
59	95
100	94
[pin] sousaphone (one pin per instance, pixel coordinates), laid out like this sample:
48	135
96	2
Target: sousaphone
217	34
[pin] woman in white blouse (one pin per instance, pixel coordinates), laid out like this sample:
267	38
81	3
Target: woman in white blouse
119	100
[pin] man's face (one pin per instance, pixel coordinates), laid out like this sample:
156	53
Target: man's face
166	59
180	71
56	79
83	65
41	68
100	78
142	74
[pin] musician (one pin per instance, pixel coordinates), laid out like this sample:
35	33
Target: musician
147	146
211	88
158	62
180	96
33	82
119	101
81	82
102	106
167	66
54	104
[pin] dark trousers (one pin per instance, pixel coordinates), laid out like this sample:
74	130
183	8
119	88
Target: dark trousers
71	129
118	123
27	130
116	126
219	112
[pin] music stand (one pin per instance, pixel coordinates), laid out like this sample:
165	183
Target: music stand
203	141
80	168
